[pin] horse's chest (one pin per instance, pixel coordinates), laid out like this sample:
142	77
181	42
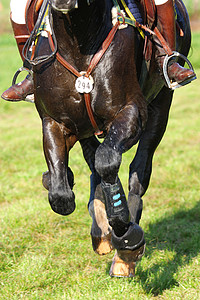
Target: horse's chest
56	91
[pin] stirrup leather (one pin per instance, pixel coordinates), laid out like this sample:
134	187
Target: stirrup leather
175	85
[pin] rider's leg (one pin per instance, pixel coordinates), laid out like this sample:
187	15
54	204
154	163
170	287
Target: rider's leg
19	91
166	18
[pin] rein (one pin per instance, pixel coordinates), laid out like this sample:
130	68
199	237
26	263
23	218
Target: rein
31	42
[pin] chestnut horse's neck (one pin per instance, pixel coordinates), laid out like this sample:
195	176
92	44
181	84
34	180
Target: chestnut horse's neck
84	28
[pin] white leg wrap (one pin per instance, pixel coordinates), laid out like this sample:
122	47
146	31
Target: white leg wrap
18	8
160	2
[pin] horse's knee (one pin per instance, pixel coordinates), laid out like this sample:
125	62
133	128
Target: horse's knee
62	201
107	162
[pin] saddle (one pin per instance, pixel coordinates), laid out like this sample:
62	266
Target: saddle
143	11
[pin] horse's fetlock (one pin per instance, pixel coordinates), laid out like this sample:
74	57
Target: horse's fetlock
131	240
62	202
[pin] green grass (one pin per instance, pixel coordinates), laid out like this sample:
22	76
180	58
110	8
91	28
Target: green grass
47	256
4	16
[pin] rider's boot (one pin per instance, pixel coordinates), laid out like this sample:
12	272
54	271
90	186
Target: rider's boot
166	18
20	91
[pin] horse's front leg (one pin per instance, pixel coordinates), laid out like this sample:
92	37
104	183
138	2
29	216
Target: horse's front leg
58	180
126	236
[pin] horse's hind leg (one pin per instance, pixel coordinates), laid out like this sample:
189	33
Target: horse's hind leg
100	230
56	144
141	166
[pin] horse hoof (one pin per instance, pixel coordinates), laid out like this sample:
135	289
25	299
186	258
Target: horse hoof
124	262
61	205
101	230
120	268
102	245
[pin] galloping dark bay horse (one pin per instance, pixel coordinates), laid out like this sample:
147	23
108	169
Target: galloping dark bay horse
125	103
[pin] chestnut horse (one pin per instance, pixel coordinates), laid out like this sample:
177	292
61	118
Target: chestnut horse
122	101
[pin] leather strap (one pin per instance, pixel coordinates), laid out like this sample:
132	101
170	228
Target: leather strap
91	115
38	5
163	42
95	60
150	9
67	65
29	14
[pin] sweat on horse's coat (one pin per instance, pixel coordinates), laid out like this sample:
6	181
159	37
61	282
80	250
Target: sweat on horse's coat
120	108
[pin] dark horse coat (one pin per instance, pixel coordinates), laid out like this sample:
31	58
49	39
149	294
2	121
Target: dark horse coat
125	110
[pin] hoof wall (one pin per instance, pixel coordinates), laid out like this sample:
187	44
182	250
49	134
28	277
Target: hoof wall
124	262
120	268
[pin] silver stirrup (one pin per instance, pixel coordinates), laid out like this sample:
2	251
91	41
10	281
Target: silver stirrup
175	85
29	98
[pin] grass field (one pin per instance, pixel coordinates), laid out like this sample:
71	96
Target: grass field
47	256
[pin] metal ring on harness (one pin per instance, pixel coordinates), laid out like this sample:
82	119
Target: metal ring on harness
174	85
18	72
